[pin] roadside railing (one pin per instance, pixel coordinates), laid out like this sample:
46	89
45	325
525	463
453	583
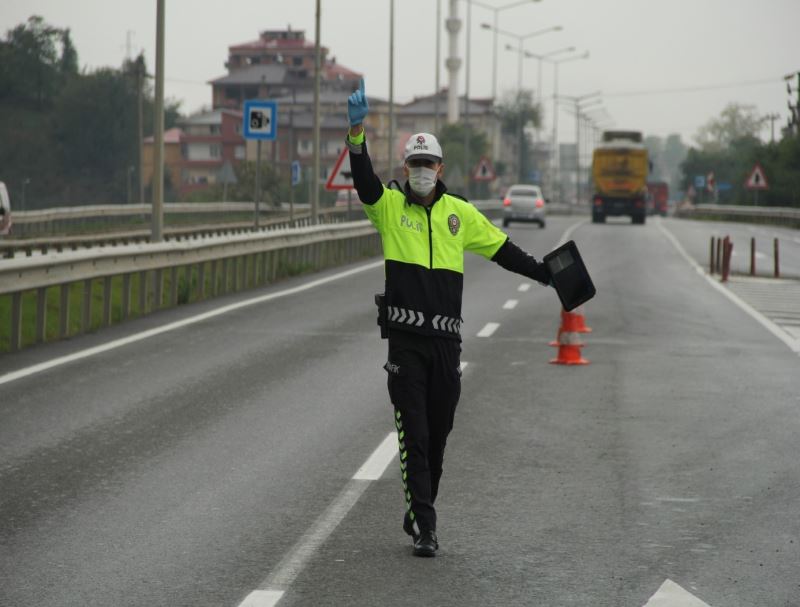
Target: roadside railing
89	218
113	236
57	295
781	216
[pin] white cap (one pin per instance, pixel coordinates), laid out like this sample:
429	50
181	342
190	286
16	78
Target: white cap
423	145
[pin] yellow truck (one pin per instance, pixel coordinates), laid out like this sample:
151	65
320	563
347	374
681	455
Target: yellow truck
619	172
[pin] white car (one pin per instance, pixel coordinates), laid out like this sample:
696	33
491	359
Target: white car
523	202
5	210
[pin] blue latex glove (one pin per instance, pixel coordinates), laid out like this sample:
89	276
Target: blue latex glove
357	106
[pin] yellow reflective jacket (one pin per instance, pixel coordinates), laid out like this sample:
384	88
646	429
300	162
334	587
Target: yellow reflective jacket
424	250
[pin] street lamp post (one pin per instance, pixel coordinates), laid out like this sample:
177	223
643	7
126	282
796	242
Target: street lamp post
557	163
497	10
391	90
438	65
157	215
520	41
317	117
541	57
580	102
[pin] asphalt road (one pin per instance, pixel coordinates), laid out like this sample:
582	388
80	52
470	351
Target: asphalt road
183	469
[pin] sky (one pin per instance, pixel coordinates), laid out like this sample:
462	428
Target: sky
662	66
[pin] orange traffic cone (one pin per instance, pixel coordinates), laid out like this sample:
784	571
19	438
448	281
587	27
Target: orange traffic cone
569	342
581	323
571	322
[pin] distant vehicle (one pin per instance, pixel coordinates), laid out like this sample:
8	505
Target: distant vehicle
524	202
5	210
342	198
658	197
619	171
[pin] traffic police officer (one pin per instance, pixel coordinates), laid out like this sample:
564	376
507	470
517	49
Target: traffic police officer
424	231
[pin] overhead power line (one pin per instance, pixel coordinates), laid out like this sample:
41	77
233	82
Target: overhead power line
695	89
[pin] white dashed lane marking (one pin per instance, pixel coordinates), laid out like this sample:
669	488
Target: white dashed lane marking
488	329
525	286
510	304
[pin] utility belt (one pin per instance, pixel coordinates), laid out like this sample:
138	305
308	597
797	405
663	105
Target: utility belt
445	326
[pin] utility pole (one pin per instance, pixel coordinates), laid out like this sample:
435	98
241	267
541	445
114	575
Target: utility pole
315	171
436	120
390	154
157	214
794	118
772	118
466	103
453	62
140	121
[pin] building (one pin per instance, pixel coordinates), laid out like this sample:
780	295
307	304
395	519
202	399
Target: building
280	63
195	153
210	139
173	158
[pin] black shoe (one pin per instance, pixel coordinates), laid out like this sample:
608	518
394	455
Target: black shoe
427	544
411	527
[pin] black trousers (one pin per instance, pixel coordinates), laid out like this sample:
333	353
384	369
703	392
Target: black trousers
424	387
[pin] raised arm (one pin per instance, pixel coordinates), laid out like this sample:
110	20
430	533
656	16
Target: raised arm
368	185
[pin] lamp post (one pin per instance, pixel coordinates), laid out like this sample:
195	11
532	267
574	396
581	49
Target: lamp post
497	10
580	102
157	215
520	38
438	65
540	57
557	164
391	90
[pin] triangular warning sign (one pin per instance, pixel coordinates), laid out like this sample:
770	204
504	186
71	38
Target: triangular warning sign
341	177
757	180
484	171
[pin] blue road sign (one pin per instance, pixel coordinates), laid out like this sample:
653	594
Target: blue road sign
295	172
260	119
724	186
699	181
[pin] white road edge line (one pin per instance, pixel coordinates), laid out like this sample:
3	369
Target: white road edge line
793	344
272	589
488	329
375	465
118	343
510	304
671	594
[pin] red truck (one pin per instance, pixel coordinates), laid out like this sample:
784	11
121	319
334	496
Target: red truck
658	196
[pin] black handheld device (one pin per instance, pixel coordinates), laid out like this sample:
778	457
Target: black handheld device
570	276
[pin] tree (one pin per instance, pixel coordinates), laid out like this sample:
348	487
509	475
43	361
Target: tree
517	112
737	121
452	138
31	70
94	125
274	186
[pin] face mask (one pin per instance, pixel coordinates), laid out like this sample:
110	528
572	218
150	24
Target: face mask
422	180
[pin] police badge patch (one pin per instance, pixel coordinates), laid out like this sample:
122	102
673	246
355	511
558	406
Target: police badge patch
453	223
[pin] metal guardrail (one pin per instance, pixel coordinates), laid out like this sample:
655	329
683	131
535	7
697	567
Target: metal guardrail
782	216
9	248
166	274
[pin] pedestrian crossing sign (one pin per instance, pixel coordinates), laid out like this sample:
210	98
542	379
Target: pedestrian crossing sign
484	171
757	180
